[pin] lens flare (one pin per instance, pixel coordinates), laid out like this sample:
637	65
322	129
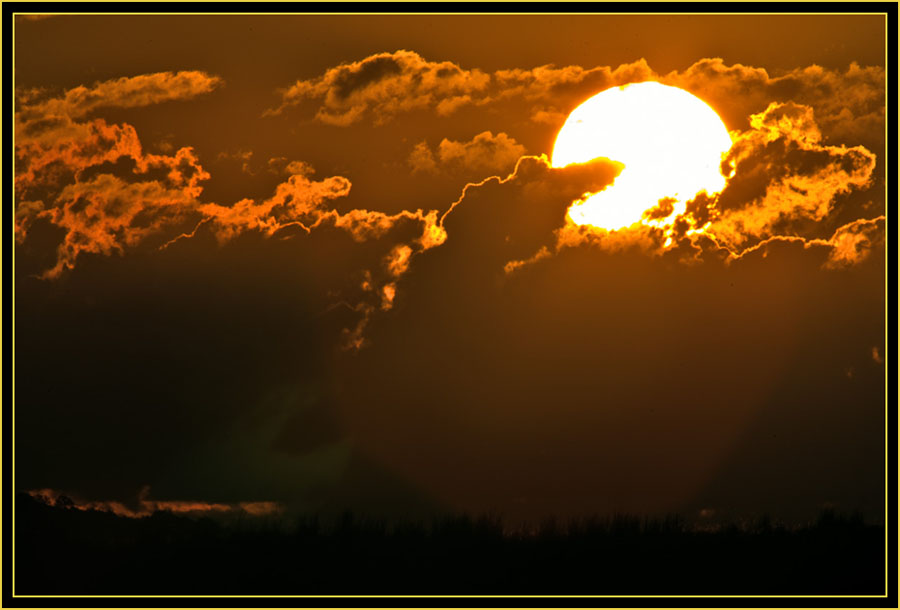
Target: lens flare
670	143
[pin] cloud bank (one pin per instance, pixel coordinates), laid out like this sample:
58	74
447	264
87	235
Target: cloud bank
849	104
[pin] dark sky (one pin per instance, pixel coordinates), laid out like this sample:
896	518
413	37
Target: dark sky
249	267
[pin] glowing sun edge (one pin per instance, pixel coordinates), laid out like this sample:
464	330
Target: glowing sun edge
672	142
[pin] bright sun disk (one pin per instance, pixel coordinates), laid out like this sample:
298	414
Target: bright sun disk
670	142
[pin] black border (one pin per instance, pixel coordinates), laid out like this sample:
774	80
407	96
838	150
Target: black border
891	9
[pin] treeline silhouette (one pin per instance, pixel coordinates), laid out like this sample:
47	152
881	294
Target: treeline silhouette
66	551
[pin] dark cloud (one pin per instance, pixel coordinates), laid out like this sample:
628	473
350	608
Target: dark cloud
368	73
308	429
202	369
601	378
383	85
517	226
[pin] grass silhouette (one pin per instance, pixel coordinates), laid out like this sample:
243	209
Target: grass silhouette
65	551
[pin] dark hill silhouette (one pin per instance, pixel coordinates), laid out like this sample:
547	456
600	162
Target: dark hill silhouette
69	551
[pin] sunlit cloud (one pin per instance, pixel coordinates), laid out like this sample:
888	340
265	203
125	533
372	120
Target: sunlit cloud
144	507
849	103
485	153
125	92
383	85
783	173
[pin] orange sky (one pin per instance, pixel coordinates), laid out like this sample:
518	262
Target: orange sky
321	261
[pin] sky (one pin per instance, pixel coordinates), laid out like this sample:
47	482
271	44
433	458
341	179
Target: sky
309	263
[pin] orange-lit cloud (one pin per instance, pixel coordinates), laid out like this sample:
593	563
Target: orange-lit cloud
398	260
125	92
94	180
66	166
853	242
103	213
849	245
783	176
55	141
59	151
485	152
106	214
281	165
380	283
553	91
297	200
548	82
146	507
384	85
849	104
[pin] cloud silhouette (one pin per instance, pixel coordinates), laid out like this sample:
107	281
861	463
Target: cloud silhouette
597	377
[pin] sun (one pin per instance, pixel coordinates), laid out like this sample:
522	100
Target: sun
670	143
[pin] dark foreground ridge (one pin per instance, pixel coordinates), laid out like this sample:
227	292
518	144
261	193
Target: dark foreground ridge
66	551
